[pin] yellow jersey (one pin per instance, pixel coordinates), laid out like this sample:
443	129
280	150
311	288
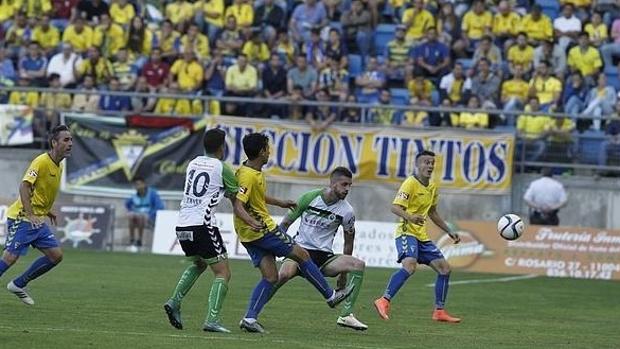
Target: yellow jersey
122	15
474	25
44	176
588	62
252	193
415	198
542	29
506	25
189	75
48	39
420	22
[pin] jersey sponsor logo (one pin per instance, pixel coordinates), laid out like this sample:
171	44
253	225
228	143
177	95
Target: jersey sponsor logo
243	190
185	235
130	147
33	173
403	195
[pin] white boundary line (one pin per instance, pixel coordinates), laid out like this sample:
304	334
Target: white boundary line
484	281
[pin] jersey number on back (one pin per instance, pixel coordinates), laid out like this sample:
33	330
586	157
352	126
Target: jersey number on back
198	184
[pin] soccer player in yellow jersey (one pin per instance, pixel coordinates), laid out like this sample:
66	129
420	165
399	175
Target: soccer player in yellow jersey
25	217
264	244
416	201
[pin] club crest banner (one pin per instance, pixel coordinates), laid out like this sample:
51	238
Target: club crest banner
109	152
15	125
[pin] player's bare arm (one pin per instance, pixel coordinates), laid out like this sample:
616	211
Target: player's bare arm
239	211
285	224
412	218
280	203
25	191
433	214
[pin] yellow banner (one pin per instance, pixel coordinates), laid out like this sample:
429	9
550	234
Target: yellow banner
466	160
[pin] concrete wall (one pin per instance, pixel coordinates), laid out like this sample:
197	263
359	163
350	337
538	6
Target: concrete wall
593	202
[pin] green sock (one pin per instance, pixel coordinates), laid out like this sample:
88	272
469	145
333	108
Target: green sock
355	278
219	288
187	280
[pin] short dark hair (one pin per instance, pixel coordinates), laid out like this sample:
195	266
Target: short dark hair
341	171
213	140
424	153
253	143
55	133
138	178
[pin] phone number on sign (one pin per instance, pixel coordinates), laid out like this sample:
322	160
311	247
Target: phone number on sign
559	268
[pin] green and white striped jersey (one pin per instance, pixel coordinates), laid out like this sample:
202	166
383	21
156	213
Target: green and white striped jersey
320	221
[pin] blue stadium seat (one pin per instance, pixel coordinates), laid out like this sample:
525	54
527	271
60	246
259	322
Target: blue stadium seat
400	96
551	12
355	65
466	63
590	145
383	34
613	80
548	4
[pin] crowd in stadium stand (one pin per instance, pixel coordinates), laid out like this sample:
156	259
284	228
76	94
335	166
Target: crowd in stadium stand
540	56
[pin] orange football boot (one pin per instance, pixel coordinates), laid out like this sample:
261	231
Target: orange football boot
383	307
442	315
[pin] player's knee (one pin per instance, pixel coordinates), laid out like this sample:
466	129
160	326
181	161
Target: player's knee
301	253
9	258
223	274
272	279
56	258
410	267
445	270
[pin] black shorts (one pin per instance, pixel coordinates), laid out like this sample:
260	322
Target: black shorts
321	258
202	241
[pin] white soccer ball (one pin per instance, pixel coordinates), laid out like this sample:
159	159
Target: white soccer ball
510	226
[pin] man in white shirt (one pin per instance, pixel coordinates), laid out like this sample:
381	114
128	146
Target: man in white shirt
545	196
64	64
566	27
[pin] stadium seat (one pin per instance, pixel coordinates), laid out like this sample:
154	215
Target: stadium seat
400	96
548	4
590	144
550	12
466	63
383	34
355	65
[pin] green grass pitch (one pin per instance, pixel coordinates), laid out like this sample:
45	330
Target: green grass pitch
114	300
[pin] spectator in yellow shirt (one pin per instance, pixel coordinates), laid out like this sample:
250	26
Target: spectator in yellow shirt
505	24
537	26
121	12
33	8
177	106
532	131
585	59
471	120
188	72
46	35
97	66
597	30
256	50
79	35
242	11
417	20
18	35
241	81
108	36
211	14
477	22
139	41
168	41
546	88
179	13
514	94
30	98
196	41
420	89
521	55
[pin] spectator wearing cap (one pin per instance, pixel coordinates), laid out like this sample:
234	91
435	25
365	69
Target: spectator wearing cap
108	36
95	65
310	14
168	41
109	102
601	101
552	53
521	54
156	70
302	75
79	35
612	49
537	26
505	24
545	87
357	30
432	56
476	23
86	102
370	82
33	65
187	71
241	81
46	35
417	20
567	27
230	40
210	13
397	53
585	59
270	18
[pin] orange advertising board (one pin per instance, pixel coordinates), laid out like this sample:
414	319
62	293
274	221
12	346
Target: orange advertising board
583	253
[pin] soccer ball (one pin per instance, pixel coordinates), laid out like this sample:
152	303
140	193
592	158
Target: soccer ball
510	226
